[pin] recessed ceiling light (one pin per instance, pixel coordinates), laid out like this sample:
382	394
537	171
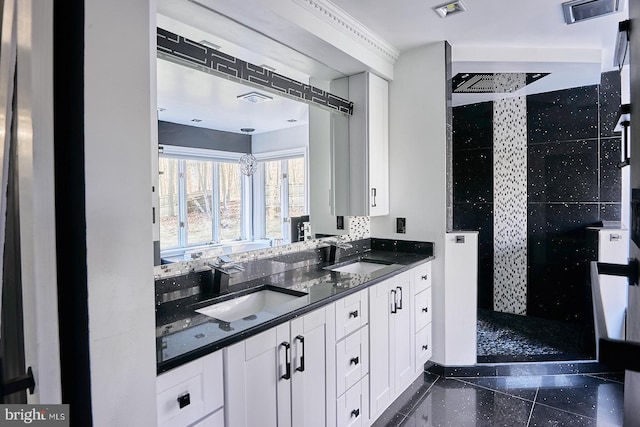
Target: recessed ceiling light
580	10
255	97
210	44
247	130
160	109
446	9
196	120
292	120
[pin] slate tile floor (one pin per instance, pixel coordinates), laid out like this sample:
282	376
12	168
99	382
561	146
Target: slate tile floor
584	400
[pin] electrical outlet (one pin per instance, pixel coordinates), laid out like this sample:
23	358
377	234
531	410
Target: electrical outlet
401	225
340	222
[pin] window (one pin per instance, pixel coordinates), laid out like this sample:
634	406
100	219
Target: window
281	193
203	198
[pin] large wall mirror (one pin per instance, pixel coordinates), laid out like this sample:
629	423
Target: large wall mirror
207	125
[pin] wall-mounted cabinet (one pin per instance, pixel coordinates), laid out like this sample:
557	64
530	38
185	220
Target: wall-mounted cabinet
360	148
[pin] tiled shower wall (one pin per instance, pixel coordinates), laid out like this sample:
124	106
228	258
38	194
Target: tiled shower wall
571	179
510	199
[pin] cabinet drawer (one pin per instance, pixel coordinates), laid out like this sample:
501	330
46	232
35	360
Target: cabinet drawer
422	277
352	313
353	406
423	309
423	346
196	386
352	354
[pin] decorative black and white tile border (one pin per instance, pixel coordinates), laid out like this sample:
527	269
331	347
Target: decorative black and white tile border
510	199
204	58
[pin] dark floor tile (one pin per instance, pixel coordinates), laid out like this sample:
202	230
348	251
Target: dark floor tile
413	394
548	368
389	419
610	376
522	387
455	403
586	396
544	416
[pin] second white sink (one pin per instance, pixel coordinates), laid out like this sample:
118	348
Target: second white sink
359	267
246	305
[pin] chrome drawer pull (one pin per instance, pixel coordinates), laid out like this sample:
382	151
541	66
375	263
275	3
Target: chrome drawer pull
355	413
424	277
425	347
426	309
354	361
353	314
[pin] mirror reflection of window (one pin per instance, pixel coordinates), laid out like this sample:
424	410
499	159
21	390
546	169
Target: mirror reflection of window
273	212
169	203
284	195
199	223
230	202
205	200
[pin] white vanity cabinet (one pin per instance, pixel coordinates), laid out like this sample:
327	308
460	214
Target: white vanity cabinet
284	376
391	340
360	175
352	360
192	394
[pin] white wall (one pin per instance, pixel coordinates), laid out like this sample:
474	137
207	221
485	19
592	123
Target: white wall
119	116
418	161
284	139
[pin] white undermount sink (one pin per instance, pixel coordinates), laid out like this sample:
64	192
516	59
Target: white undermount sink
359	267
247	305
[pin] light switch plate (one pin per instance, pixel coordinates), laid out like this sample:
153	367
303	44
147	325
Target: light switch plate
401	225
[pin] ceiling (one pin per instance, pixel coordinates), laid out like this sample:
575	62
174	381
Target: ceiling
491	36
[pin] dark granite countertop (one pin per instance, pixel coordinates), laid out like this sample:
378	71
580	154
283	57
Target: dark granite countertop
183	334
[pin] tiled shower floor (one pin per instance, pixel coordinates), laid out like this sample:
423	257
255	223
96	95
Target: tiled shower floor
504	337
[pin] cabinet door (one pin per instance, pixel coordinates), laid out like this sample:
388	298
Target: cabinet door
402	334
378	134
380	306
255	368
310	368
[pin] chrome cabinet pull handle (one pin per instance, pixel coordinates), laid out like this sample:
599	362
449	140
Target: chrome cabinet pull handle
424	277
354	361
399	288
353	314
355	413
373	196
426	309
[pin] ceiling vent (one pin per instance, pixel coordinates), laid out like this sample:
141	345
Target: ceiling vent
486	82
255	97
581	10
